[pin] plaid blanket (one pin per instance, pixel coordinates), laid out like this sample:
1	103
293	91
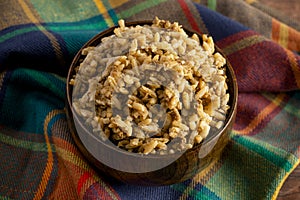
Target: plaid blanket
38	40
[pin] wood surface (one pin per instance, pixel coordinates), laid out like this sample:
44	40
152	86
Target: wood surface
291	188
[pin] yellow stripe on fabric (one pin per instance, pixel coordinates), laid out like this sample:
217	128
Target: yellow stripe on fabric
117	3
294	65
244	43
104	12
250	1
289	108
2	75
68	153
53	40
275	30
72	158
49	165
283	35
28	12
274	197
262	115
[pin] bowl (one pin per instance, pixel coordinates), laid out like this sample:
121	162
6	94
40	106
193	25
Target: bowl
152	169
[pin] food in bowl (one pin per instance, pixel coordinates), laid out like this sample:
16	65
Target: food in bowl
152	89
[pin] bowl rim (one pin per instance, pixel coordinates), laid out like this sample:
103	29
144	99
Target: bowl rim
96	39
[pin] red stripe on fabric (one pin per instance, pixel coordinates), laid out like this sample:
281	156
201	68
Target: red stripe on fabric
234	38
263	67
255	111
250	105
189	15
85	176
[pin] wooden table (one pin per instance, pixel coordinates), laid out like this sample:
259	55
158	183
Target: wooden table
291	188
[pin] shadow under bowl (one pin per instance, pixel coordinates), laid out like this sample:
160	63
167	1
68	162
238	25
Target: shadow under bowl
141	169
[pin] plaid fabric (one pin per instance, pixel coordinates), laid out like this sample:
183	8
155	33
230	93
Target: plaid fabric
38	40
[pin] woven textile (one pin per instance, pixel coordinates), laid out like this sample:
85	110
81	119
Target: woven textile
38	40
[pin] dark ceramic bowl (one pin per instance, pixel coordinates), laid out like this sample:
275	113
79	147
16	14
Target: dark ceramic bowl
177	168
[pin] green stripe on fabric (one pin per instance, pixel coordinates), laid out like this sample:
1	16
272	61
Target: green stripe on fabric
275	155
62	28
239	171
243	43
288	107
292	110
179	187
18	32
33	146
212	4
64	10
57	27
45	82
34	93
138	8
235	174
63	79
203	194
110	11
21	31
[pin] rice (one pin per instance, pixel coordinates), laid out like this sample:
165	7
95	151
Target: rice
152	88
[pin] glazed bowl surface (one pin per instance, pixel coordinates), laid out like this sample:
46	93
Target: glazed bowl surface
148	169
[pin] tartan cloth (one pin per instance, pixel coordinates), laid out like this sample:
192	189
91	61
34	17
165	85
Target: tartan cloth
38	40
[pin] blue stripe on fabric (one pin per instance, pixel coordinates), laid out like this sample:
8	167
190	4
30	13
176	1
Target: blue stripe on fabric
10	29
23	51
70	36
224	26
24	46
199	192
130	192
